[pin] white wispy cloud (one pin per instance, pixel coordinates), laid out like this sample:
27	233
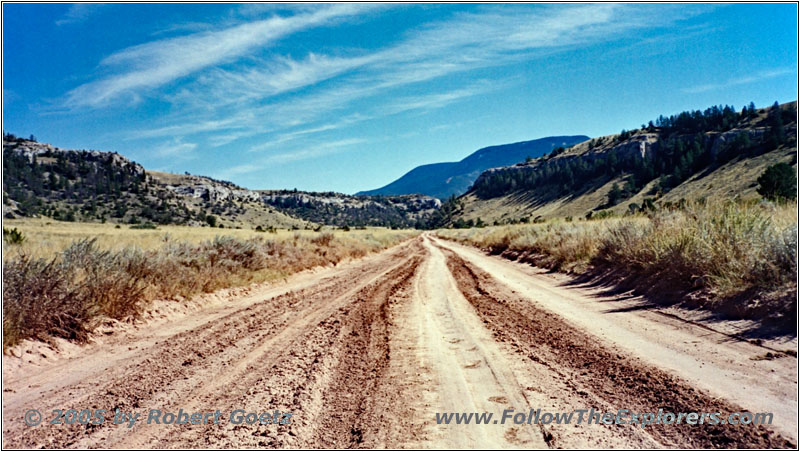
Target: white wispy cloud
470	41
263	79
238	170
756	77
333	147
175	148
301	132
439	100
230	97
493	36
79	12
312	151
159	62
187	127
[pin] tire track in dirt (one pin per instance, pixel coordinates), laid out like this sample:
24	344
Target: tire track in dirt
358	361
432	354
466	370
324	377
605	380
710	361
176	369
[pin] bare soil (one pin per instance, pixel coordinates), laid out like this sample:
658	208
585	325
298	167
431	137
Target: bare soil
364	354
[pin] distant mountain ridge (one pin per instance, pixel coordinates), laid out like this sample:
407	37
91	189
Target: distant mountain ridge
441	180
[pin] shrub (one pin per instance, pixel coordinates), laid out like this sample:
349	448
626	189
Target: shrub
601	214
727	248
13	236
147	225
112	284
778	182
39	301
323	239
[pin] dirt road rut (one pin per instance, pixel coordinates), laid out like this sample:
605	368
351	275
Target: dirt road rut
366	354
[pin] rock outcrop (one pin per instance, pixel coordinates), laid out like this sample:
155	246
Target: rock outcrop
34	150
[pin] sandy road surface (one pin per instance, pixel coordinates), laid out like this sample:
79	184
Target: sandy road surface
365	354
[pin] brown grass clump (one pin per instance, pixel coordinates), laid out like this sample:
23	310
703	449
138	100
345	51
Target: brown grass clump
65	295
39	300
728	247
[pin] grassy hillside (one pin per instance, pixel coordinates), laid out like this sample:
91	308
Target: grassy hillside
442	180
338	209
715	154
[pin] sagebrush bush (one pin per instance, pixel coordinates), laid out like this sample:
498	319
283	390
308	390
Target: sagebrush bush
323	239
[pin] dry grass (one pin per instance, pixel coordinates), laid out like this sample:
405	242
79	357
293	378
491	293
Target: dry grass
66	277
727	248
46	237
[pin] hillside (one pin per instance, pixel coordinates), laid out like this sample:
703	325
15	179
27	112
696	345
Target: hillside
96	186
338	209
441	180
327	208
715	154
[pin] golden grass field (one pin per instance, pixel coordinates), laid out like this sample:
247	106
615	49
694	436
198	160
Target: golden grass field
45	237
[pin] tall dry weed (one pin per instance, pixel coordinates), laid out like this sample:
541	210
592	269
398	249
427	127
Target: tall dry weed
726	247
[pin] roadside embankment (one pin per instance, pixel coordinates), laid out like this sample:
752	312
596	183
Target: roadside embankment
736	259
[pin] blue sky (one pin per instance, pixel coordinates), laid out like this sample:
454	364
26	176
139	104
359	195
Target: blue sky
348	97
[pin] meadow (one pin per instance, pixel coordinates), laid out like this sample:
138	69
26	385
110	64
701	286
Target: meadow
63	278
45	237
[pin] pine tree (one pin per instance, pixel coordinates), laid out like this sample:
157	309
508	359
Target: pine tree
778	182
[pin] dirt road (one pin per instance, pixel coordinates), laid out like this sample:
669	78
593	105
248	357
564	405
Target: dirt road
365	354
